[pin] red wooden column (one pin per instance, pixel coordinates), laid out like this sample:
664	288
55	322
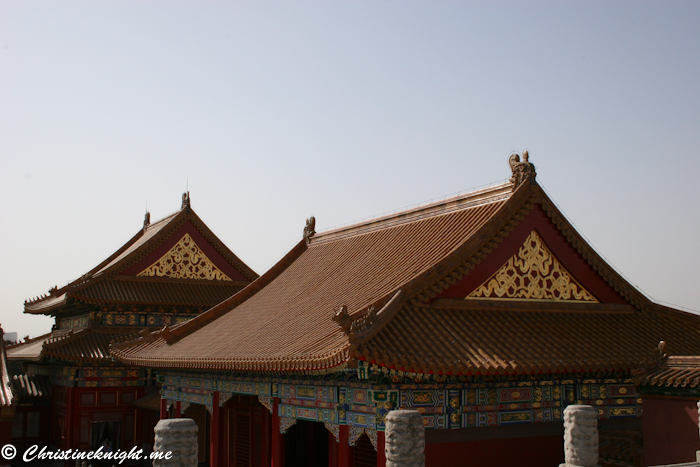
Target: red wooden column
163	409
267	437
215	437
178	409
277	437
344	449
381	455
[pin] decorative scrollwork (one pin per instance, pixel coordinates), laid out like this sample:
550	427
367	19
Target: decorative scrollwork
533	273
334	428
185	260
372	435
286	423
354	434
267	401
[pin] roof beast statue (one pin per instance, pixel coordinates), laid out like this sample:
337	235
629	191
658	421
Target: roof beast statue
522	171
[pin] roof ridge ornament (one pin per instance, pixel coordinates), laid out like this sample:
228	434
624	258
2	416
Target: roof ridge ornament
185	200
522	171
310	229
146	220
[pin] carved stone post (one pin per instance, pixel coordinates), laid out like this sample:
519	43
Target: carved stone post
404	440
177	436
580	436
697	453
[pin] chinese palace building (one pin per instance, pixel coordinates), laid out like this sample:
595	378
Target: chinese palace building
487	312
169	272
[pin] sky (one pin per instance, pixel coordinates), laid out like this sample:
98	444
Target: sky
270	112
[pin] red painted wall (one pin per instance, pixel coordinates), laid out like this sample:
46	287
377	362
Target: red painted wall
539	451
670	430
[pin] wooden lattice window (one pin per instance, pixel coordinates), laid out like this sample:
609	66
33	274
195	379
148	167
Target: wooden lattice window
365	454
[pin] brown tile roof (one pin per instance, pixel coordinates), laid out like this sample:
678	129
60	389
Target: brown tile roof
675	371
481	338
31	388
284	322
85	345
103	284
158	291
31	348
380	277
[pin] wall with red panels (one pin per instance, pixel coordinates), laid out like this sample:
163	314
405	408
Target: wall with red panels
536	451
670	430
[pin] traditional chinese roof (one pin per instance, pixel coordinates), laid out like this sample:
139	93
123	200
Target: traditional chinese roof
7	398
674	371
175	261
492	282
31	388
79	346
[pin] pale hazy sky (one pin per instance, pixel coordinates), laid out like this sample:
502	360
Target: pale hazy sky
274	111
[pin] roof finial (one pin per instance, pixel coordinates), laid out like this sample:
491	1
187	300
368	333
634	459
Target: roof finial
310	228
185	200
522	171
146	220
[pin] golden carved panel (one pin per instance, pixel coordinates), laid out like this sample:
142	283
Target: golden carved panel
533	273
185	260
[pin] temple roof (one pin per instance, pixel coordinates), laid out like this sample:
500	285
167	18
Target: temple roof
438	289
175	261
31	388
674	371
78	346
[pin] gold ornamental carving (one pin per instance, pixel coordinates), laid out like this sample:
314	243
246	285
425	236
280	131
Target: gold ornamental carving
533	273
185	260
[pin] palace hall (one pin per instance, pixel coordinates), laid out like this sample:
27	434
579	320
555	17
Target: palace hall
486	312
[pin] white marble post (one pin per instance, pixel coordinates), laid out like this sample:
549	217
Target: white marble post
404	439
177	436
697	453
580	436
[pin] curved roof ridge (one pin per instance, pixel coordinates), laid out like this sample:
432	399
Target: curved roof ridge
458	202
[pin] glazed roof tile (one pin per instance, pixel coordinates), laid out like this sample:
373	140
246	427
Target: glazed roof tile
287	324
104	284
156	291
472	339
676	371
31	388
84	345
365	292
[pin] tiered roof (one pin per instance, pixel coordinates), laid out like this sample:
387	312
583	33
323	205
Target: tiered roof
86	345
175	262
493	282
144	270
